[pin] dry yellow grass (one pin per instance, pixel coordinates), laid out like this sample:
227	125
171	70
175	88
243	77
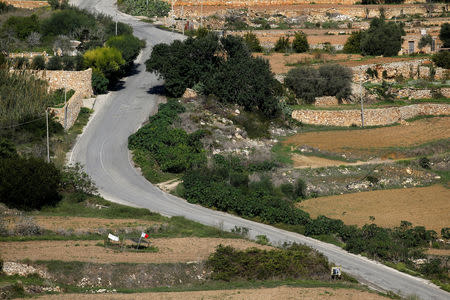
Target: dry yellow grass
170	250
248	294
425	206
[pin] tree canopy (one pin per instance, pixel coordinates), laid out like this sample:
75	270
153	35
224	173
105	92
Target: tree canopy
382	38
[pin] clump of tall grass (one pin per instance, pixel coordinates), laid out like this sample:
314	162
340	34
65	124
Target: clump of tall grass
22	97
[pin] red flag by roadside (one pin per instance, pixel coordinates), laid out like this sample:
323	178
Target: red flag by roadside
144	235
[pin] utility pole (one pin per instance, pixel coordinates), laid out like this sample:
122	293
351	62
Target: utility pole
362	104
65	108
48	142
116	24
201	13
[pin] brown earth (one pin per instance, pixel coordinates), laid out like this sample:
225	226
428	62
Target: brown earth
425	206
304	161
369	140
170	250
282	292
87	224
439	252
278	61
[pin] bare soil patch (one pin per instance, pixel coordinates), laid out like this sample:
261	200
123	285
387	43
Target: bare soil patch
80	224
303	161
278	61
438	252
257	294
370	140
425	206
170	250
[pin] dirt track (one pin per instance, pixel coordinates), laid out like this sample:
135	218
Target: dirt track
361	141
250	294
426	206
170	250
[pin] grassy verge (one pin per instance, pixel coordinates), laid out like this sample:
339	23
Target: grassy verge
65	141
69	207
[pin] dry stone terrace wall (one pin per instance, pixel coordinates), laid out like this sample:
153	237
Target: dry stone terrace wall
240	3
372	117
192	9
79	81
414	69
26	4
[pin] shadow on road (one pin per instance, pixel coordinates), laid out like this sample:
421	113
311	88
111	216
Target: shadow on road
157	90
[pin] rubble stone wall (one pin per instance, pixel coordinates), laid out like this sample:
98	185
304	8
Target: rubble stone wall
372	117
79	81
73	106
413	69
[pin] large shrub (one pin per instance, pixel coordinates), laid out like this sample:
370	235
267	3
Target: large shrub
128	45
55	63
353	43
442	59
38	62
151	8
252	42
329	80
444	35
382	38
22	26
28	184
67	22
300	42
106	60
99	82
173	149
296	261
282	45
183	64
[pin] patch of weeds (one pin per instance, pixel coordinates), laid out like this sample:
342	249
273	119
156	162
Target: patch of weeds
282	153
262	240
329	238
402	268
256	125
150	168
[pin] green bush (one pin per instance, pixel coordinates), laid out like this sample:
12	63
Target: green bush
7	149
282	45
151	8
55	63
300	42
296	261
300	189
58	4
5	7
382	38
128	45
22	26
28	184
173	149
442	59
67	22
425	163
179	68
444	35
353	43
252	42
99	82
38	63
445	232
106	60
329	80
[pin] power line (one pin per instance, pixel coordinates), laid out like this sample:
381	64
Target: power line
20	124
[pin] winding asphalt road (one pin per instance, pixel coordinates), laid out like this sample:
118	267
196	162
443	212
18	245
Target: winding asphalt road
102	149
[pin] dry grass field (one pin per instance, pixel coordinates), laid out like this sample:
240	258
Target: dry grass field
170	250
371	140
424	206
282	292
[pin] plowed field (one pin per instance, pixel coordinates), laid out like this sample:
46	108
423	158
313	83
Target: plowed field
170	250
425	206
250	294
369	140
